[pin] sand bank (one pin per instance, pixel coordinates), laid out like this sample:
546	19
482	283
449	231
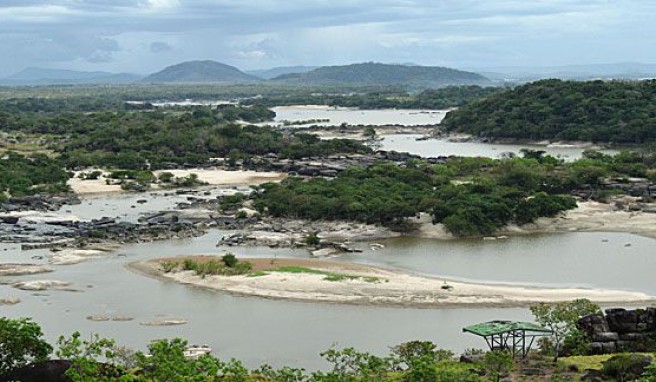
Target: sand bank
366	285
212	177
588	217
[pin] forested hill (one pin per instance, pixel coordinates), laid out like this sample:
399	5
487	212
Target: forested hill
200	71
606	112
385	74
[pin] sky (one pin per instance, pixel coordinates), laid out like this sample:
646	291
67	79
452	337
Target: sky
144	36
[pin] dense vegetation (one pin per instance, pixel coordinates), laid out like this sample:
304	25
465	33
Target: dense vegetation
471	196
160	138
597	111
21	175
450	96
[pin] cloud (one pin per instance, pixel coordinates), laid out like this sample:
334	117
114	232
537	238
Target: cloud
159	47
135	35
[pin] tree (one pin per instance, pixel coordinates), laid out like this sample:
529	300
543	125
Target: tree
85	357
21	342
497	363
561	318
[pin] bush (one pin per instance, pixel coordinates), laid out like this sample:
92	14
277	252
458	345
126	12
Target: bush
229	260
625	366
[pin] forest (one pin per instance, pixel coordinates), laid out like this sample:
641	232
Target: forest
470	196
435	99
615	112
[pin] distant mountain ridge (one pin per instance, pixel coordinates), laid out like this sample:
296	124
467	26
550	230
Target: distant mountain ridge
268	74
385	74
625	70
199	72
47	76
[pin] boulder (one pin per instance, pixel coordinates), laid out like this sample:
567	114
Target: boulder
593	323
605	337
622	320
52	371
9	219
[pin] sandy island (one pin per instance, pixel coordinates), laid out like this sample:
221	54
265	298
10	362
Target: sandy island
212	177
366	285
588	217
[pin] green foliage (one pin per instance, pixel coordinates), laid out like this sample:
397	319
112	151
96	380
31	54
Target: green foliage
562	317
649	374
232	202
228	266
93	175
166	362
169	266
312	239
497	363
351	365
599	111
229	260
93	360
165	177
21	342
626	367
28	175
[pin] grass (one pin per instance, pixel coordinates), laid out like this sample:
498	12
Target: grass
584	362
214	267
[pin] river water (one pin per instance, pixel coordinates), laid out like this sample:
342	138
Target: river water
259	331
408	142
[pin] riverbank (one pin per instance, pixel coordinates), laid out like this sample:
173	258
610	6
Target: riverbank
345	283
588	217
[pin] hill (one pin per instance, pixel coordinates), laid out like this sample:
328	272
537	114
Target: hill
268	74
46	76
597	111
200	71
385	74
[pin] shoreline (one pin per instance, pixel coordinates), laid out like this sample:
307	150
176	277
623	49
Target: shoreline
391	288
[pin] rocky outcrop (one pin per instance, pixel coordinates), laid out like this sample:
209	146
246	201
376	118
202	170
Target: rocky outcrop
37	203
621	330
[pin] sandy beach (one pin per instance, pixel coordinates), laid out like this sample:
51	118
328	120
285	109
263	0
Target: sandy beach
212	177
588	217
366	285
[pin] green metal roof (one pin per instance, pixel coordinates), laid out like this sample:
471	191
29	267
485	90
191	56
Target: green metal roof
498	327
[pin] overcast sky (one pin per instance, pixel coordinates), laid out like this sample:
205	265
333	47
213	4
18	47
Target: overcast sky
143	36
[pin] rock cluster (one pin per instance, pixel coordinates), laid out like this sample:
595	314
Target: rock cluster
37	203
621	330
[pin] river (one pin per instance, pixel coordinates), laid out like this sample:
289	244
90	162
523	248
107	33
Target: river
331	116
259	331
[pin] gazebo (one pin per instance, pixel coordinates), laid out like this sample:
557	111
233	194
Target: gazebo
514	336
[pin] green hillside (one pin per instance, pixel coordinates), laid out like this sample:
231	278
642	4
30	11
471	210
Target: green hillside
200	71
385	74
597	111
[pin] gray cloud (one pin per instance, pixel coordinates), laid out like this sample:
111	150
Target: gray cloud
138	35
159	47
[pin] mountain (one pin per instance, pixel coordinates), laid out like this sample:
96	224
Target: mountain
268	74
46	76
385	74
200	71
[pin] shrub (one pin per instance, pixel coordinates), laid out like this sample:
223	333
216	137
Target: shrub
625	366
229	260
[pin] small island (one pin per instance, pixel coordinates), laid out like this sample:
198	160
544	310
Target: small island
324	281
